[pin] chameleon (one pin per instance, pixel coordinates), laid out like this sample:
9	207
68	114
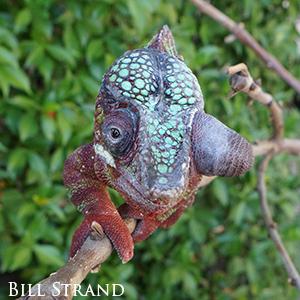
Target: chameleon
153	143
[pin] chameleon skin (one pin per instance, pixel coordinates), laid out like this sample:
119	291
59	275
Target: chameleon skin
152	144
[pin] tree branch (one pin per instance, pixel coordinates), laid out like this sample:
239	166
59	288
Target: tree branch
291	146
246	38
271	225
241	81
95	250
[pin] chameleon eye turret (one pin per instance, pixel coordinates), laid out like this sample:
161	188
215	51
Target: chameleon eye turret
152	144
118	132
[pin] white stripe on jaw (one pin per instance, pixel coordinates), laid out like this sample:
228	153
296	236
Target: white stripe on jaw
105	154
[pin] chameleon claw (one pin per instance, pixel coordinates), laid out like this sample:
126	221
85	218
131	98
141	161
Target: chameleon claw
97	228
96	269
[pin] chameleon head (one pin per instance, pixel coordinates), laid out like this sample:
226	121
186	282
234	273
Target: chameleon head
143	119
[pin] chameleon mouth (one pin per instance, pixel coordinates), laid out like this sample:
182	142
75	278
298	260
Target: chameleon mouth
170	193
165	198
155	199
165	194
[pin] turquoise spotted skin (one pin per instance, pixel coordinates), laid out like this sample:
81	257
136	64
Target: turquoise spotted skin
167	95
135	74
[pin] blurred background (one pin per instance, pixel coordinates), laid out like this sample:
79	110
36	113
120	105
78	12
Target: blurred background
53	55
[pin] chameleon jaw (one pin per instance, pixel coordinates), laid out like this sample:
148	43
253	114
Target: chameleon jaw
164	194
157	198
167	195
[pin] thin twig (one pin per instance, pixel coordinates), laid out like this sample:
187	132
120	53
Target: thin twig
246	38
271	225
291	146
241	81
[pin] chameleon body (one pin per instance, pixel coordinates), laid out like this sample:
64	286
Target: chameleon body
153	142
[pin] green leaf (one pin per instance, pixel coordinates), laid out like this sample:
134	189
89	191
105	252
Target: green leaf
28	126
61	54
15	257
16	77
48	127
57	160
138	13
221	191
293	233
89	84
266	3
42	27
82	34
17	160
97	70
251	271
36	57
94	49
197	231
70	40
206	54
37	164
24	102
46	69
2	222
23	18
4	85
21	257
239	212
57	211
49	255
8	38
289	210
64	126
131	290
190	285
38	226
3	148
8	58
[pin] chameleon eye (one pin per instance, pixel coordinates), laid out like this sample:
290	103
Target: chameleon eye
118	131
115	133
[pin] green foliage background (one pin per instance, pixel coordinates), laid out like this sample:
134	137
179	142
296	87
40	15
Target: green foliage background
52	57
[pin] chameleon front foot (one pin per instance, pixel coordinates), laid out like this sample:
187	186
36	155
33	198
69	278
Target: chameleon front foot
145	225
115	229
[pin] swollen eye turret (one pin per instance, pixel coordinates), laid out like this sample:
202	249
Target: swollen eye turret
118	131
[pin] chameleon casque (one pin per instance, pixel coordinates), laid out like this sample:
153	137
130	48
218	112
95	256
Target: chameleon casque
152	144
